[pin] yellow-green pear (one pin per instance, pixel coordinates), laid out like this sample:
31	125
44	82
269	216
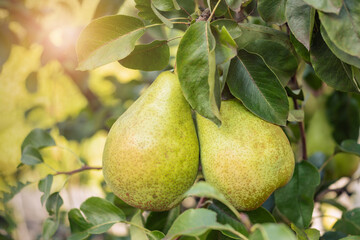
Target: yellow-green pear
151	154
246	158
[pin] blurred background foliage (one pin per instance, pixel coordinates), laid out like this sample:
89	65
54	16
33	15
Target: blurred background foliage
40	88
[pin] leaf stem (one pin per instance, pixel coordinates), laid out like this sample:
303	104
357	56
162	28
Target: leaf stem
301	124
154	25
83	168
326	162
201	202
174	38
213	11
180	23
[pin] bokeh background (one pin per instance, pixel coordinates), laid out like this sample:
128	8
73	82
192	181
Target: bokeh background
41	88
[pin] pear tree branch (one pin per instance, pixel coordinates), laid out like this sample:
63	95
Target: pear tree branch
83	168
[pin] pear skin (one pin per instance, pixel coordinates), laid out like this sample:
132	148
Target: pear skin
246	158
151	155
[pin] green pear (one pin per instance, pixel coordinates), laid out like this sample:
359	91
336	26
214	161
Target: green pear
151	155
246	158
319	139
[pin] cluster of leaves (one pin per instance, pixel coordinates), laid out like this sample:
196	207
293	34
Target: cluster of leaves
213	219
251	50
255	61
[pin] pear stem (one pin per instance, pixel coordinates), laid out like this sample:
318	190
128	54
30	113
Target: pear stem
301	124
201	202
83	168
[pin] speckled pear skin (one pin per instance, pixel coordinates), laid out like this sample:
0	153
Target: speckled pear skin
151	155
246	158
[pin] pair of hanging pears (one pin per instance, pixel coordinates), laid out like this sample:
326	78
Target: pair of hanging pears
151	155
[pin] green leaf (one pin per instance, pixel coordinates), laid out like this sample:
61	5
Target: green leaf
201	88
346	226
45	187
226	47
101	213
38	138
343	56
271	231
163	19
350	146
252	32
311	79
333	235
272	11
329	68
231	26
296	115
300	18
143	56
77	221
204	189
351	238
296	200
49	228
330	6
136	227
108	39
226	216
349	223
260	215
300	48
234	4
343	114
156	235
162	221
166	5
195	222
31	156
250	80
8	195
126	208
279	59
306	234
5	46
53	204
31	82
145	11
343	29
312	234
79	236
107	7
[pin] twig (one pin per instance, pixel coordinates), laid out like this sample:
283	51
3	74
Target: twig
301	124
204	15
338	191
84	168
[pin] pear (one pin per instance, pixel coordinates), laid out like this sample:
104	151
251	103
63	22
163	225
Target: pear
319	139
151	155
246	158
